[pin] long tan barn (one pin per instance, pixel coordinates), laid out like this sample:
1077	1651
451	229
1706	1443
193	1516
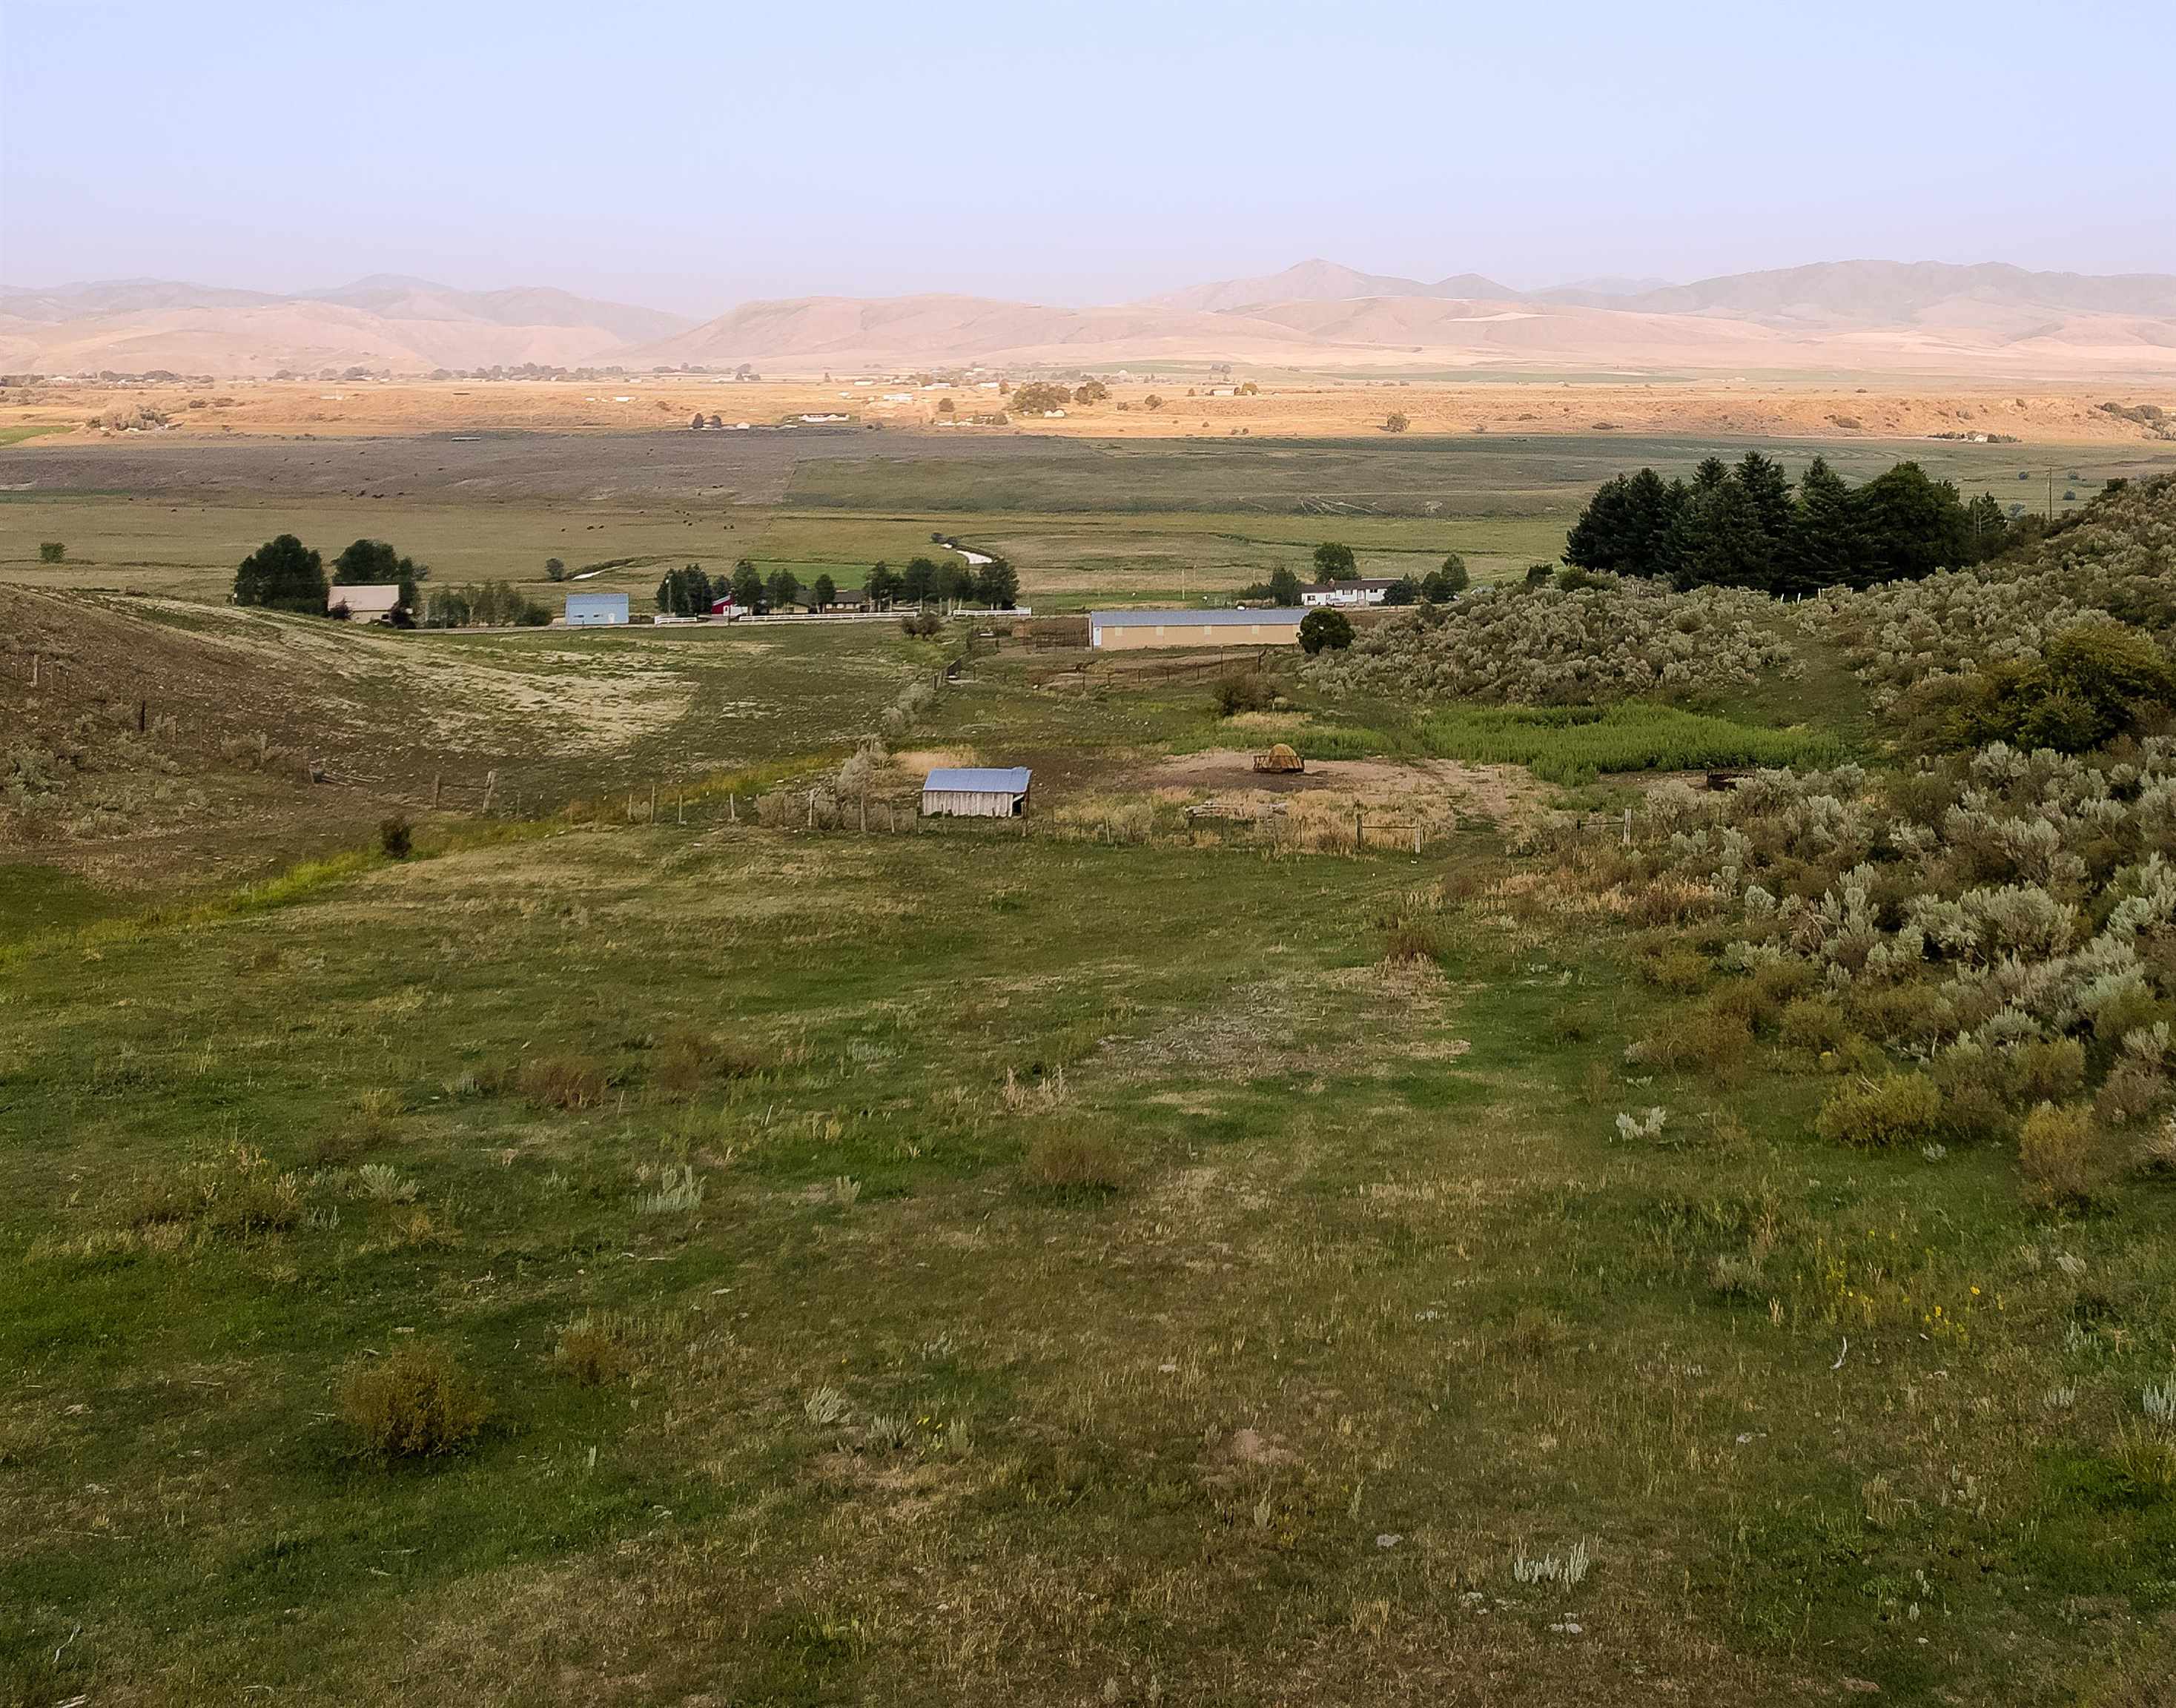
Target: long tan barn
1127	631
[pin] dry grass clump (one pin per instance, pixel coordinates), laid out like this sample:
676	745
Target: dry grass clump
1075	1160
2057	1150
595	1349
1713	1039
1535	1332
337	1146
1409	939
1881	1114
563	1082
235	1193
415	1403
681	1062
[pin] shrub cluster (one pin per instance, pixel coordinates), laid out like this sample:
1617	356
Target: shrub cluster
2006	920
1958	655
1605	640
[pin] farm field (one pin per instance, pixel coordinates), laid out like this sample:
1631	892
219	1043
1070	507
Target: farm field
1478	1215
1284	404
1083	523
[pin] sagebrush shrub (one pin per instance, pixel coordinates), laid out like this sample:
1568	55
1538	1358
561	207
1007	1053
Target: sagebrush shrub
1243	691
1712	1040
1682	971
2055	1149
2046	1070
1815	1024
416	1402
1881	1113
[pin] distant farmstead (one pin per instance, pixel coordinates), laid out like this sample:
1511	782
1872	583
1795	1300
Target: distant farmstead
1126	631
364	602
1318	594
974	793
595	610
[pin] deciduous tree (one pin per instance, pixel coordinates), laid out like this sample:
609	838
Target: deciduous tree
283	575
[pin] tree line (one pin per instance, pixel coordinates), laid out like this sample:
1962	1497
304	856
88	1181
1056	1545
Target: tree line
1746	525
1334	561
689	592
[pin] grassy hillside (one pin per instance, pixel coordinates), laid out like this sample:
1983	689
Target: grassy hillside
1716	1252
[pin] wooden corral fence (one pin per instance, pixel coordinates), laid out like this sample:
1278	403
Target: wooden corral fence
1616	823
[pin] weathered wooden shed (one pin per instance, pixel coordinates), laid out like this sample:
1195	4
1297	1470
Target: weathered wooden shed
975	792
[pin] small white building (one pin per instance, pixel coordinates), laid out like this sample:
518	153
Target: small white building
975	792
1318	594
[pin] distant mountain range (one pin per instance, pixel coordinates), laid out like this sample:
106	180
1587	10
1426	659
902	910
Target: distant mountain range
1927	318
408	325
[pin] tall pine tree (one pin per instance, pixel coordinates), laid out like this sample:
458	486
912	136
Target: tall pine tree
1822	548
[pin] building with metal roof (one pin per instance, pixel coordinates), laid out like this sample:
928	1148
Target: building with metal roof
975	792
592	609
1131	630
364	602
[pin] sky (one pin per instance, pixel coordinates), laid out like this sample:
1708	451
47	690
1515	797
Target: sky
689	156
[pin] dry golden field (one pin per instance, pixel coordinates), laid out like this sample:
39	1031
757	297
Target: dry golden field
1284	406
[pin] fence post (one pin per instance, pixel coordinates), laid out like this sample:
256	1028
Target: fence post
490	784
812	809
732	808
653	801
683	806
437	782
1416	836
1359	831
865	812
1628	827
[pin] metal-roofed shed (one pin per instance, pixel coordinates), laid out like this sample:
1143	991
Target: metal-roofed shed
1131	630
975	792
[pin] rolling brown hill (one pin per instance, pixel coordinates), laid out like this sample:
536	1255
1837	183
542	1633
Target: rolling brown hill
1920	320
407	325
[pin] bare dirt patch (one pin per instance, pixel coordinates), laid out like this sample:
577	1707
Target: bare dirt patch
1504	794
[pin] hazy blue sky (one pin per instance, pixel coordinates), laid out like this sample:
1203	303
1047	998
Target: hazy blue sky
691	154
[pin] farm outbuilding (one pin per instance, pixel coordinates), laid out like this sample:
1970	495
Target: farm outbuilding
975	792
595	610
364	602
1130	630
1318	594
